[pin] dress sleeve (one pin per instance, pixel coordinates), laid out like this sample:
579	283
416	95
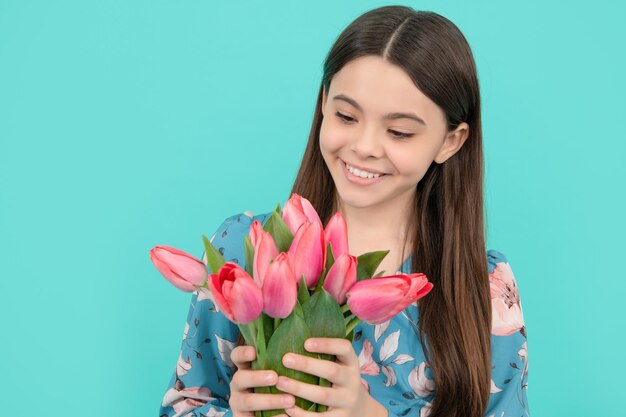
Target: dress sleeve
509	350
200	384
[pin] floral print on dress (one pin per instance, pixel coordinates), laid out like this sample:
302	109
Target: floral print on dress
393	366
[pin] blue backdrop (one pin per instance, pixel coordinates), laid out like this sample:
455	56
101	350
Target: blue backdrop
116	116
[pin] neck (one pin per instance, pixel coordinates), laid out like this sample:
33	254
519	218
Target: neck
383	226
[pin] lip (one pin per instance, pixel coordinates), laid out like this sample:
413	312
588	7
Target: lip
358	180
373	171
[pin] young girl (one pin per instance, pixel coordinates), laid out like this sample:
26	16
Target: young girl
396	147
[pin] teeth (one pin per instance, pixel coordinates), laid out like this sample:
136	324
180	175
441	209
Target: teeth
362	174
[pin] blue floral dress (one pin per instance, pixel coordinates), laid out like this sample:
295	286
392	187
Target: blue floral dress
393	365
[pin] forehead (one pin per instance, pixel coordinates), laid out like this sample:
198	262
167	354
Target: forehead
381	87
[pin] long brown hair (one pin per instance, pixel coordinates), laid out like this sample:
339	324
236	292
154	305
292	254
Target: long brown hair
447	221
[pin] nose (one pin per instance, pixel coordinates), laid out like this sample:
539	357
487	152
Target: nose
367	143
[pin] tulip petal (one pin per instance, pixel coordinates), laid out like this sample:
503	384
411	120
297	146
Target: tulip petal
180	268
246	300
280	290
308	253
377	300
340	277
336	233
216	290
264	252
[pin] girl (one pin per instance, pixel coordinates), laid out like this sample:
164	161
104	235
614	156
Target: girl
396	147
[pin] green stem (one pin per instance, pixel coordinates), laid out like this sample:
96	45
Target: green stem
277	321
345	308
352	324
323	383
249	333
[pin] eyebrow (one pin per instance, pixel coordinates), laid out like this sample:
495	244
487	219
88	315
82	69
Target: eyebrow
390	116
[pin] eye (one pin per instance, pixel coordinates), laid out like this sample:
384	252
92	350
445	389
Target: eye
400	135
344	118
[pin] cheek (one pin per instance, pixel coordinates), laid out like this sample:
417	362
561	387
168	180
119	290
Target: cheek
410	162
331	139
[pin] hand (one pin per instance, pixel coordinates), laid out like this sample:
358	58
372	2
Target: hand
243	401
346	397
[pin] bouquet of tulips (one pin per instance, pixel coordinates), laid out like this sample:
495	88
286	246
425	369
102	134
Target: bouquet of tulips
299	282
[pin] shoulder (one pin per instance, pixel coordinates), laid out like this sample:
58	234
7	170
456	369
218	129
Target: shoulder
228	237
509	349
505	296
494	257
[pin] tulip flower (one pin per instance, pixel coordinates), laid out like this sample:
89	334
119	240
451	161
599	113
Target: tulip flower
341	277
183	270
236	293
308	253
378	299
280	290
264	251
297	210
336	233
255	230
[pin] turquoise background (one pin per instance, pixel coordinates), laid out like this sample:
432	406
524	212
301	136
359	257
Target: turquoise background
128	124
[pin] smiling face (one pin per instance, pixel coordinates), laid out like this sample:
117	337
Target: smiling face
359	127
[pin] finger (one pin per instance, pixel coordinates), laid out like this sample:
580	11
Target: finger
296	411
254	401
333	397
341	348
242	356
246	379
329	370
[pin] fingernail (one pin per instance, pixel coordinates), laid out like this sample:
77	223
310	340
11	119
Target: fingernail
288	401
288	360
310	344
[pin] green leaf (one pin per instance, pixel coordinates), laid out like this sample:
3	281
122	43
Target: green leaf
330	260
330	256
290	337
268	326
367	264
298	310
323	316
249	255
380	274
276	227
278	210
214	258
303	292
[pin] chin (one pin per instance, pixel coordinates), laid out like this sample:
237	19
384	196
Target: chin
363	201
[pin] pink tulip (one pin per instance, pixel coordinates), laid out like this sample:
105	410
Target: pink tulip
236	293
280	290
336	233
255	230
308	253
377	300
183	270
264	251
297	210
341	277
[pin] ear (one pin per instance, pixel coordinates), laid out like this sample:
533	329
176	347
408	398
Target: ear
453	142
323	100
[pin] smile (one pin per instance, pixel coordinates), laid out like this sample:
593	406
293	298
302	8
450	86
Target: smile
359	177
